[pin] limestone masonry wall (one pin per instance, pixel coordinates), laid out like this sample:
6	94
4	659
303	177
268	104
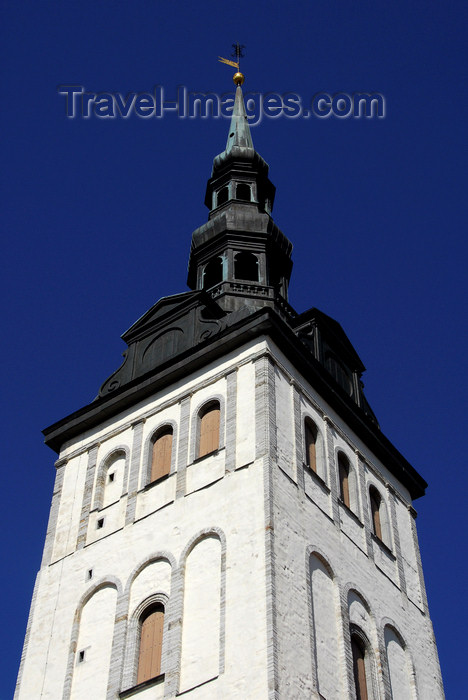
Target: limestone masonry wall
263	571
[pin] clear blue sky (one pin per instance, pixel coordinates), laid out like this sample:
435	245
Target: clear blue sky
97	217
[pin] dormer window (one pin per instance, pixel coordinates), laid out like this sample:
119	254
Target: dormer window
222	196
243	192
339	372
246	267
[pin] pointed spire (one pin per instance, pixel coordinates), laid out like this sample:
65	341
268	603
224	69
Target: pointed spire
239	131
239	143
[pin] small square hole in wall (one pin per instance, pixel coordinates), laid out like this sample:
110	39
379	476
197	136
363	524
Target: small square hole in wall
89	574
100	524
81	656
112	476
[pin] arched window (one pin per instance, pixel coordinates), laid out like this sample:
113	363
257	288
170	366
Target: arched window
243	192
151	638
222	196
343	476
209	421
359	667
213	273
246	267
310	444
161	453
376	505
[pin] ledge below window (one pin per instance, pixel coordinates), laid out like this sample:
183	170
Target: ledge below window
350	512
142	686
150	484
383	546
316	477
209	454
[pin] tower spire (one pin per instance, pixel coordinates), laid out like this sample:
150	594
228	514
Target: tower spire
239	130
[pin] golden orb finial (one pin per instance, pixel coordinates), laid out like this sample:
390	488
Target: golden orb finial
238	78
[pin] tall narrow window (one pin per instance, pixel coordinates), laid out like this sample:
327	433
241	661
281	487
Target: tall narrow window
375	503
151	637
161	454
209	418
343	474
359	667
310	445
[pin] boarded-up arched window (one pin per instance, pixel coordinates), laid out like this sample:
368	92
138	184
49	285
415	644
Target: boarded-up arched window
310	444
359	667
343	475
161	453
151	638
209	420
375	503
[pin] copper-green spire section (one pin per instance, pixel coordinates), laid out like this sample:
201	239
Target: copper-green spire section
239	131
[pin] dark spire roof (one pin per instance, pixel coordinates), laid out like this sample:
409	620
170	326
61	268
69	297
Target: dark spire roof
239	144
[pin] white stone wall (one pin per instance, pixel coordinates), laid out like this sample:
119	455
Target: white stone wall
163	553
310	525
260	568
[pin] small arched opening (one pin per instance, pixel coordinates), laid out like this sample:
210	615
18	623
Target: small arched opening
246	267
213	273
222	196
243	192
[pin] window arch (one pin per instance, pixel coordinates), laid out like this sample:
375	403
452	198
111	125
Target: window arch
344	470
310	437
243	192
213	273
208	428
246	266
161	453
151	627
362	682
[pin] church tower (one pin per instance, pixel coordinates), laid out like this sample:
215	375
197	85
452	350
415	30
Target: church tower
228	520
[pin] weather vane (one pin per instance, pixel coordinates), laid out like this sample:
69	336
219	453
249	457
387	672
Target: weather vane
237	54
